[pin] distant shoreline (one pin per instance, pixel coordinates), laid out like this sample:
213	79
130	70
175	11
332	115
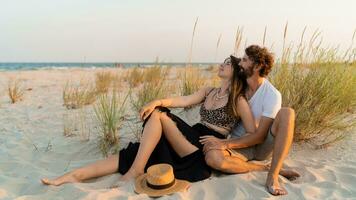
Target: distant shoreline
15	66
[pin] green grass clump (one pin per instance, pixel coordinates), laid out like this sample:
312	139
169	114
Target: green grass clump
109	111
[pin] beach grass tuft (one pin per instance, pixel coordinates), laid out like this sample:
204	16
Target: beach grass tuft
109	111
103	81
77	95
16	90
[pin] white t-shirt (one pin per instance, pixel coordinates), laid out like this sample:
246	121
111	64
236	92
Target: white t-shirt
266	101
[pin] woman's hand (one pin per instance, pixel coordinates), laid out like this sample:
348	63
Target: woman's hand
212	143
148	109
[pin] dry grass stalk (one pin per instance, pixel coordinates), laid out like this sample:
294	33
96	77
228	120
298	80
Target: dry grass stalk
76	122
78	95
238	40
16	90
190	55
217	47
264	36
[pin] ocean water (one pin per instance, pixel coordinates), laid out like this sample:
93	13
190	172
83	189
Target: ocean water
36	66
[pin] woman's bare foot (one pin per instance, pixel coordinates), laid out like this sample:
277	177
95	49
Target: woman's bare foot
131	174
273	187
67	178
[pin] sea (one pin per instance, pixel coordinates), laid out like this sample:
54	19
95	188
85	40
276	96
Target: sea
58	65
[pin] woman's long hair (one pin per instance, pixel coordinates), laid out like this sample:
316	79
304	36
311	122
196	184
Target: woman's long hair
237	88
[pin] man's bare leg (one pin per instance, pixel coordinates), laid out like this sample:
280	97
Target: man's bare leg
222	161
97	169
283	129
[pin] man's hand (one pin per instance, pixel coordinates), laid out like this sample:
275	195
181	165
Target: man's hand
212	143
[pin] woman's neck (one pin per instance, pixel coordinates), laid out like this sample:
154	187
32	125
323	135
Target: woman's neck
225	85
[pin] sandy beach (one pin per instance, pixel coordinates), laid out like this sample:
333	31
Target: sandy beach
32	146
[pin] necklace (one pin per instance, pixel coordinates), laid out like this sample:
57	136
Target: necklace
217	97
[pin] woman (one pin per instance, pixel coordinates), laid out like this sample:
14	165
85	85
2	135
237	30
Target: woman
168	139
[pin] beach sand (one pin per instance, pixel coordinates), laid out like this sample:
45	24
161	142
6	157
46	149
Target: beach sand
32	146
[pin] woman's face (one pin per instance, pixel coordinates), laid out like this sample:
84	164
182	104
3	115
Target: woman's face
225	69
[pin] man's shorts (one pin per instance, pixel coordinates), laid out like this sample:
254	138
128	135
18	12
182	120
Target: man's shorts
261	151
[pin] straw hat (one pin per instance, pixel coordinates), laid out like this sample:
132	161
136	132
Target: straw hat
158	181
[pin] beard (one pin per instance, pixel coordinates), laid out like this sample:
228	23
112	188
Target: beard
247	72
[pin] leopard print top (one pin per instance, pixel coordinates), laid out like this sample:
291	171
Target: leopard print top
219	117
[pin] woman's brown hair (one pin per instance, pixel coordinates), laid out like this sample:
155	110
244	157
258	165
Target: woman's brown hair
237	88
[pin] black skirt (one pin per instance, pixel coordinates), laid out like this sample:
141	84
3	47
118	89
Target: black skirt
191	167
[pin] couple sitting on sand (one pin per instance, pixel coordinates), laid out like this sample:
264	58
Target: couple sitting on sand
245	98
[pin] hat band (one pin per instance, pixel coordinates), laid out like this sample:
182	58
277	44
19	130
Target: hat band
160	187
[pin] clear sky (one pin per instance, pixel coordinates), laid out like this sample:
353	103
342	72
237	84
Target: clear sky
139	31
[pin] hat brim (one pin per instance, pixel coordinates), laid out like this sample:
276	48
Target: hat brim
141	187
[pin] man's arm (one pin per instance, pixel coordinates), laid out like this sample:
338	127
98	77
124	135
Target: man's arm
251	139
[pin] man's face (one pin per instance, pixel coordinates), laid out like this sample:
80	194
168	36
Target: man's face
247	66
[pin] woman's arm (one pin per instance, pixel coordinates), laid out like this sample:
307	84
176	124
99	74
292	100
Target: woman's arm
185	101
175	102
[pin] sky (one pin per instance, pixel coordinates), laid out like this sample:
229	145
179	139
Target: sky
141	31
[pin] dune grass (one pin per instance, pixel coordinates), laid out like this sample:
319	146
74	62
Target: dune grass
15	90
153	86
103	81
319	84
135	76
109	111
191	80
77	95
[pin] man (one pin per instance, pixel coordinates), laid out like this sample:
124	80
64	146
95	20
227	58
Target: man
275	127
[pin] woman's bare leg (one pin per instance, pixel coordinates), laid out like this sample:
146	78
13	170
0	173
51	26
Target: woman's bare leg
175	138
152	133
97	169
158	122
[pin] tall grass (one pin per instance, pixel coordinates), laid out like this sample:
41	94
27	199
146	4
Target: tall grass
135	76
15	90
103	81
191	81
109	112
319	85
77	95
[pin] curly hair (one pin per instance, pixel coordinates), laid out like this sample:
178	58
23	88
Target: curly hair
261	57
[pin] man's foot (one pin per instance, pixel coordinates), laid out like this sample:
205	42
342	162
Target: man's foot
68	178
289	174
273	187
131	174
